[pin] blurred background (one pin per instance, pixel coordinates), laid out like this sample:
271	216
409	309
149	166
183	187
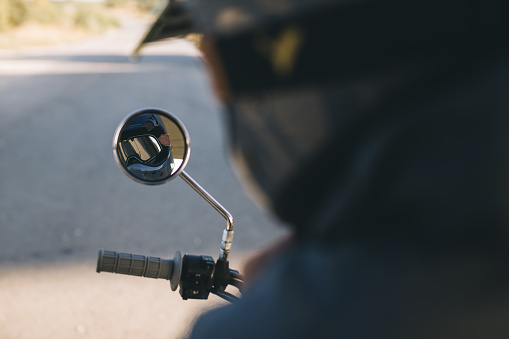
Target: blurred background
66	81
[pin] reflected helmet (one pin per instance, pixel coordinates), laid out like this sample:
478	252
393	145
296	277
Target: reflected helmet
140	142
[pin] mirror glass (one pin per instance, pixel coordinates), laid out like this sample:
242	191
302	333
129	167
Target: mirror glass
151	146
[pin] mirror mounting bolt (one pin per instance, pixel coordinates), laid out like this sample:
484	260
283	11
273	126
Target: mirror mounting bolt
226	244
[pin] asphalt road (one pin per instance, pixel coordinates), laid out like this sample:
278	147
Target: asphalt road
63	197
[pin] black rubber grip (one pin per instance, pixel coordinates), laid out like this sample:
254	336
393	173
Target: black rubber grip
134	264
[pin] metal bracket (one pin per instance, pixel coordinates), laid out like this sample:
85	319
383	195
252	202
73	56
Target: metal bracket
226	242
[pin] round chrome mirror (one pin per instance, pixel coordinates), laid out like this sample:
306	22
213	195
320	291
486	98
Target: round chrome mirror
151	146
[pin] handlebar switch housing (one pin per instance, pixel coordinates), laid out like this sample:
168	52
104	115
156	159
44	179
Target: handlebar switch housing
196	278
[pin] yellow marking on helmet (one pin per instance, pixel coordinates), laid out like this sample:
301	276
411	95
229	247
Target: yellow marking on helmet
282	50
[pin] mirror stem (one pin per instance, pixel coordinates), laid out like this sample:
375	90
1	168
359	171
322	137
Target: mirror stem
226	242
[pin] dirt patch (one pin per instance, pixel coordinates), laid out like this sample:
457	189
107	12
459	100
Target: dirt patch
40	35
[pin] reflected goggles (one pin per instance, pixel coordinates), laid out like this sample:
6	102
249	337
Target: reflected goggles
142	148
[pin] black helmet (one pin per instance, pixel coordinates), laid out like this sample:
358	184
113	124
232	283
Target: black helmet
145	149
320	93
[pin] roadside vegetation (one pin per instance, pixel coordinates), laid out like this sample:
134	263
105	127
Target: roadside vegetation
42	22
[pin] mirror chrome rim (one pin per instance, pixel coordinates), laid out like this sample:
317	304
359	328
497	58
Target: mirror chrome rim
168	115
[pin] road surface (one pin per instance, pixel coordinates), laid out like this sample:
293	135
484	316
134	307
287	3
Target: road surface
63	197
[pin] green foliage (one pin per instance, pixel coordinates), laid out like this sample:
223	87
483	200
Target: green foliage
45	12
68	14
151	6
146	6
12	13
91	16
116	3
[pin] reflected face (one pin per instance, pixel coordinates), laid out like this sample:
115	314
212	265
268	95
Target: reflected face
151	146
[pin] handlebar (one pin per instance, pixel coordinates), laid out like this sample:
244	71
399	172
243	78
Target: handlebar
134	264
197	275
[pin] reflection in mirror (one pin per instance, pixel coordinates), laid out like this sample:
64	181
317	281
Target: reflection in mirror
151	146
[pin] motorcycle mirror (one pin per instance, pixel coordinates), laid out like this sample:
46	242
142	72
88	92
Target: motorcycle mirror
151	146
